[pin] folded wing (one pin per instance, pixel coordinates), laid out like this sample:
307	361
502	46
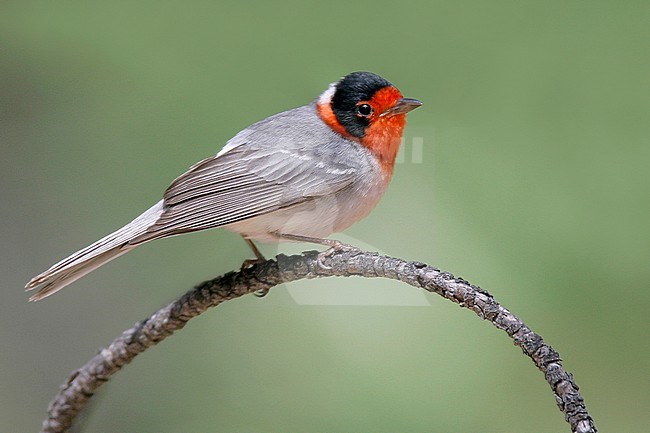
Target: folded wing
243	183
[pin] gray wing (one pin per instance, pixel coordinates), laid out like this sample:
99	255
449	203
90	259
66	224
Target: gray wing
245	182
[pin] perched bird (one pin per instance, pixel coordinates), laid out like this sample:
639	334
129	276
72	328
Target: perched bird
299	175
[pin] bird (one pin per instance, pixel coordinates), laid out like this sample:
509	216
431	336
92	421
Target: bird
296	176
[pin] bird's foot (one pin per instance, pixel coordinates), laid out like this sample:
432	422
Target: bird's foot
261	292
248	263
334	247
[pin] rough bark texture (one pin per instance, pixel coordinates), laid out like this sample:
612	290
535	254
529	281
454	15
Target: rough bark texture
83	383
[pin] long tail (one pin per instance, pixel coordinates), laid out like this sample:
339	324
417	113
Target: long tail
93	256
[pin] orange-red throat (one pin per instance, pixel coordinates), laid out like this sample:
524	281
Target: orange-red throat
384	133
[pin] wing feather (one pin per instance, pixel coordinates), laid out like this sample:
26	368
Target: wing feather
243	183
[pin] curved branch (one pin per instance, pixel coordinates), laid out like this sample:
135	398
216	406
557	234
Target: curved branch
83	383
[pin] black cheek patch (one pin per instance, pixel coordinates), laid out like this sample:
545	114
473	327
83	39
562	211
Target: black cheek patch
353	124
352	89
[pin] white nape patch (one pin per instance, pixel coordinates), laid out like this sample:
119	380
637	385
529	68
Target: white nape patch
326	97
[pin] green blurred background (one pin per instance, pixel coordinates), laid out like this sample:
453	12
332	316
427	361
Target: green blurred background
534	183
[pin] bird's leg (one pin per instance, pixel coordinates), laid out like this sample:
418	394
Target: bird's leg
258	255
259	258
334	245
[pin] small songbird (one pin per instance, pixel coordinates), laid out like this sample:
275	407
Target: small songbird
299	176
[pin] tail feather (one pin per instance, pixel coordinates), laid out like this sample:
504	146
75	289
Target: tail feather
93	256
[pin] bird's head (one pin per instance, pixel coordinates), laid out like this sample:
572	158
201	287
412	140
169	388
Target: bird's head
366	108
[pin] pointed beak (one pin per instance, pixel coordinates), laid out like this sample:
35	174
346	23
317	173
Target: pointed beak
402	106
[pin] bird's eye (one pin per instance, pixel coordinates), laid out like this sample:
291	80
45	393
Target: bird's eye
364	110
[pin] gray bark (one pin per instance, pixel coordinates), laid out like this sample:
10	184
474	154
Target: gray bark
85	381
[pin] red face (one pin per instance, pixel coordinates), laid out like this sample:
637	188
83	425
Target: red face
384	131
